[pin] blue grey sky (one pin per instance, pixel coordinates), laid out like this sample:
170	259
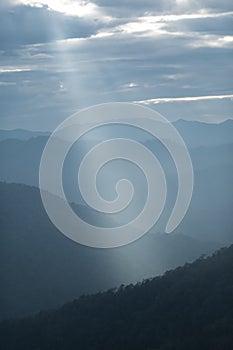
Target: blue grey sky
57	57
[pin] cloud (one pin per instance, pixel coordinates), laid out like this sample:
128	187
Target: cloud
179	52
133	8
22	25
7	83
183	99
13	69
38	23
130	8
213	41
79	8
176	24
130	85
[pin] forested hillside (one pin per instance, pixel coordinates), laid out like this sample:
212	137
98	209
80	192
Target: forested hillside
188	308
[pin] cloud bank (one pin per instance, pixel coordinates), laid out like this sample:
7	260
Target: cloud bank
58	57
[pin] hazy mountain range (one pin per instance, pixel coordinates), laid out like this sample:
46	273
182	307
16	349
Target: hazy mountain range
211	149
40	268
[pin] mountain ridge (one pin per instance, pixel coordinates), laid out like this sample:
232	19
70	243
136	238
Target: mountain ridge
41	268
190	307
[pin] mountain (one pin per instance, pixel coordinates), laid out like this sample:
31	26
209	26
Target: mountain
209	216
188	308
20	159
196	134
40	268
20	134
210	145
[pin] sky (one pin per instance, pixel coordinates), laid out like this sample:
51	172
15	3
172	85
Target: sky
59	56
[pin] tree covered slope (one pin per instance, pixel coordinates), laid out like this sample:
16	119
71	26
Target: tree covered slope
190	308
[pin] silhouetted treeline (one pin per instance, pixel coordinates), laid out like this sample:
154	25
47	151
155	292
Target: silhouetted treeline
190	308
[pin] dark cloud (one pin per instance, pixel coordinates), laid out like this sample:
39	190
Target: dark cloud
217	25
216	5
30	25
131	8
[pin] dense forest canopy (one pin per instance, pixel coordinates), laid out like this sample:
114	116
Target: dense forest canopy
190	307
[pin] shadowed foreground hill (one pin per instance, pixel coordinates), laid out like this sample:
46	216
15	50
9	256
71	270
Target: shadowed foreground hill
187	308
42	269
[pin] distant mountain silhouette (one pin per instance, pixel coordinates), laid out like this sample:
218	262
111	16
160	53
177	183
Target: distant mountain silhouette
21	134
195	133
210	213
40	268
20	159
188	308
